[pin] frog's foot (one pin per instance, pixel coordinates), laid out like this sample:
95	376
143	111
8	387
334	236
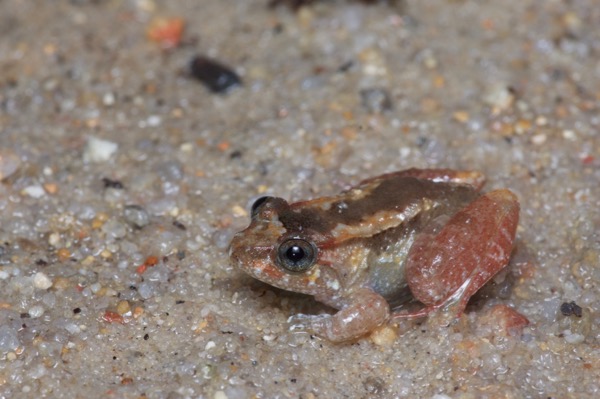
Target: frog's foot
446	268
365	310
452	305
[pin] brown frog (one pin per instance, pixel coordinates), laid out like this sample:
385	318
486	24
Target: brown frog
419	234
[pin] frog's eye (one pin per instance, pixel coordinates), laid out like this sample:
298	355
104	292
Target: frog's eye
296	255
257	204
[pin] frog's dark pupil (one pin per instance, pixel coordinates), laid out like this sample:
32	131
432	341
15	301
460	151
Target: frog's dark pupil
295	253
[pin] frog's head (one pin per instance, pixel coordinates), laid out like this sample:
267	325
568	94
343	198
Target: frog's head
281	247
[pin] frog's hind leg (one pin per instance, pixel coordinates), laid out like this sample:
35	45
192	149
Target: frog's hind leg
446	267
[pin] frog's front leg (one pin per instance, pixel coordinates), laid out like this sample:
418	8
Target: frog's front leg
362	311
447	266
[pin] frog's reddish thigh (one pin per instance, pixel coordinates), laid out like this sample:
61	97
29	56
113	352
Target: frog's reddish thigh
474	245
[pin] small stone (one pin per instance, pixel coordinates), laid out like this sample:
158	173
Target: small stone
167	32
123	307
41	281
114	229
384	336
136	216
9	339
186	147
98	150
571	309
62	283
36	311
461	116
573	338
9	163
499	96
209	345
54	239
220	395
539	139
376	100
153	120
541	120
49	299
569	135
72	328
217	77
35	191
108	99
146	290
51	188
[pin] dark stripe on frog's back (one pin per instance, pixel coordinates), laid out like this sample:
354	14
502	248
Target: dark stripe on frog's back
389	194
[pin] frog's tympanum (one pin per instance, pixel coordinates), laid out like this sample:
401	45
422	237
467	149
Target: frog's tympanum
420	234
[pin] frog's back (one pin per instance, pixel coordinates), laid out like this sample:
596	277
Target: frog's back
371	203
419	206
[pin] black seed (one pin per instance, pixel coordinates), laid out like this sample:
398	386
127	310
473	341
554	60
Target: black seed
77	310
216	77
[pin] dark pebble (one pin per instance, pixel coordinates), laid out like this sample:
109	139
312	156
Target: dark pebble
179	225
217	77
346	66
571	309
109	183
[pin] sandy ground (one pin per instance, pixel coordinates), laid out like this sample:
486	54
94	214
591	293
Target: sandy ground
123	181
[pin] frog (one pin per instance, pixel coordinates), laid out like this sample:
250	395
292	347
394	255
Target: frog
428	237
